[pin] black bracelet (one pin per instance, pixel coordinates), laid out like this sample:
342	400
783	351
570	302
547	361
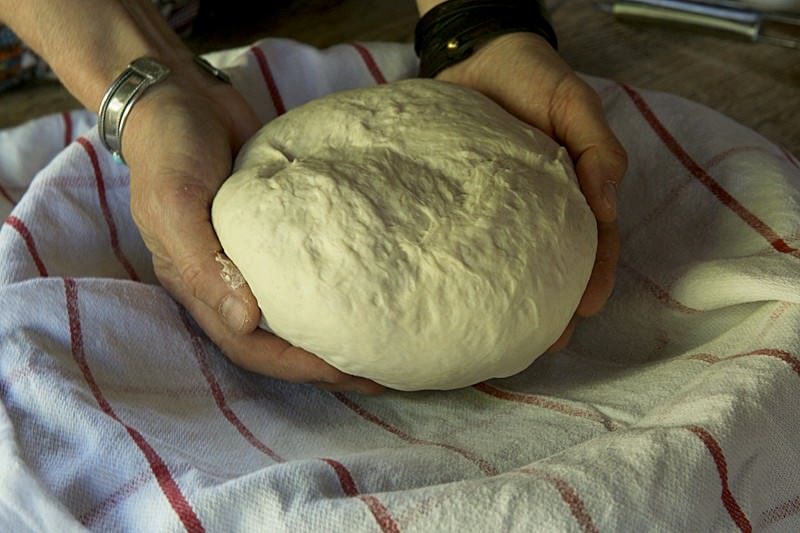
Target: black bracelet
454	29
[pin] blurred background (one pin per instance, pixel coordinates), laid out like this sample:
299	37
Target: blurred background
728	60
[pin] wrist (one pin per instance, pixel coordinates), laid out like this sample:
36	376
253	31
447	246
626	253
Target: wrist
454	30
138	79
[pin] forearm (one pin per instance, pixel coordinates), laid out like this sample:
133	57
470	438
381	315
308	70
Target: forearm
88	43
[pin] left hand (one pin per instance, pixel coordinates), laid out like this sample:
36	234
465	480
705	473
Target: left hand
523	73
180	143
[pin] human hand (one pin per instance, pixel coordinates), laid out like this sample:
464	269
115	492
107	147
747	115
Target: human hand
523	73
180	141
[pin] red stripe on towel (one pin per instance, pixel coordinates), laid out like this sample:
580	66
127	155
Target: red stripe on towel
544	403
480	462
23	231
68	127
703	177
786	357
381	514
779	512
378	510
790	157
370	62
728	500
157	465
114	499
658	292
266	73
772	321
219	396
104	207
570	497
345	478
674	193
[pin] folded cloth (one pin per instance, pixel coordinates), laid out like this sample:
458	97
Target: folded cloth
672	410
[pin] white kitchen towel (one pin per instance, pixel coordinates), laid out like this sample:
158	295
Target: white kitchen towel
675	409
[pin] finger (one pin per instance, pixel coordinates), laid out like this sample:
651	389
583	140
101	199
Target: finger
601	281
600	169
565	337
600	159
194	253
362	386
262	352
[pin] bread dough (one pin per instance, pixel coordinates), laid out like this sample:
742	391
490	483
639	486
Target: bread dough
414	233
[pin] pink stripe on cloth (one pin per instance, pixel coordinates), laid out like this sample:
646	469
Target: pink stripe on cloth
728	499
370	62
106	210
786	357
772	321
570	497
381	514
544	403
480	462
132	486
219	396
376	507
348	484
25	233
779	512
703	177
269	80
791	158
671	197
159	468
68	127
345	478
659	293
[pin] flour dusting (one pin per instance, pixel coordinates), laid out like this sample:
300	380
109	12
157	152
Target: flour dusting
229	273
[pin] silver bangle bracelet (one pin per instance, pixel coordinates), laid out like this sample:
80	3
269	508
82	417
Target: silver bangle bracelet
140	75
118	100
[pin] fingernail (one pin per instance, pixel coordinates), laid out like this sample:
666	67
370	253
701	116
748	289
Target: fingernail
610	195
234	312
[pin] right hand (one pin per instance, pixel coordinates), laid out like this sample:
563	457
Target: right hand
523	73
180	142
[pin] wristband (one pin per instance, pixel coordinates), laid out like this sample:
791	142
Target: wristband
452	31
140	75
118	100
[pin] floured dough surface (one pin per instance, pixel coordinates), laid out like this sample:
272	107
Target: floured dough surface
413	233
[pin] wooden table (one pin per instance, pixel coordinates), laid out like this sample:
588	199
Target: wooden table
756	84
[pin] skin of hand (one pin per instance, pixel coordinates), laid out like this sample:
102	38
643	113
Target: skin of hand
181	136
179	144
523	73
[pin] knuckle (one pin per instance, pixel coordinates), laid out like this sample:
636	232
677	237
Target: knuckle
570	89
192	275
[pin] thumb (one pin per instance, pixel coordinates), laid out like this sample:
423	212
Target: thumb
600	159
193	268
222	287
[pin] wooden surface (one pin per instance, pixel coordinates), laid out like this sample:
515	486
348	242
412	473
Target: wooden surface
758	85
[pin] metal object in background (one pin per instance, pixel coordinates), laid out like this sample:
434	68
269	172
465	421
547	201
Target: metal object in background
736	19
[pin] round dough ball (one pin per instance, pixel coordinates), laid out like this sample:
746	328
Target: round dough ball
413	233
